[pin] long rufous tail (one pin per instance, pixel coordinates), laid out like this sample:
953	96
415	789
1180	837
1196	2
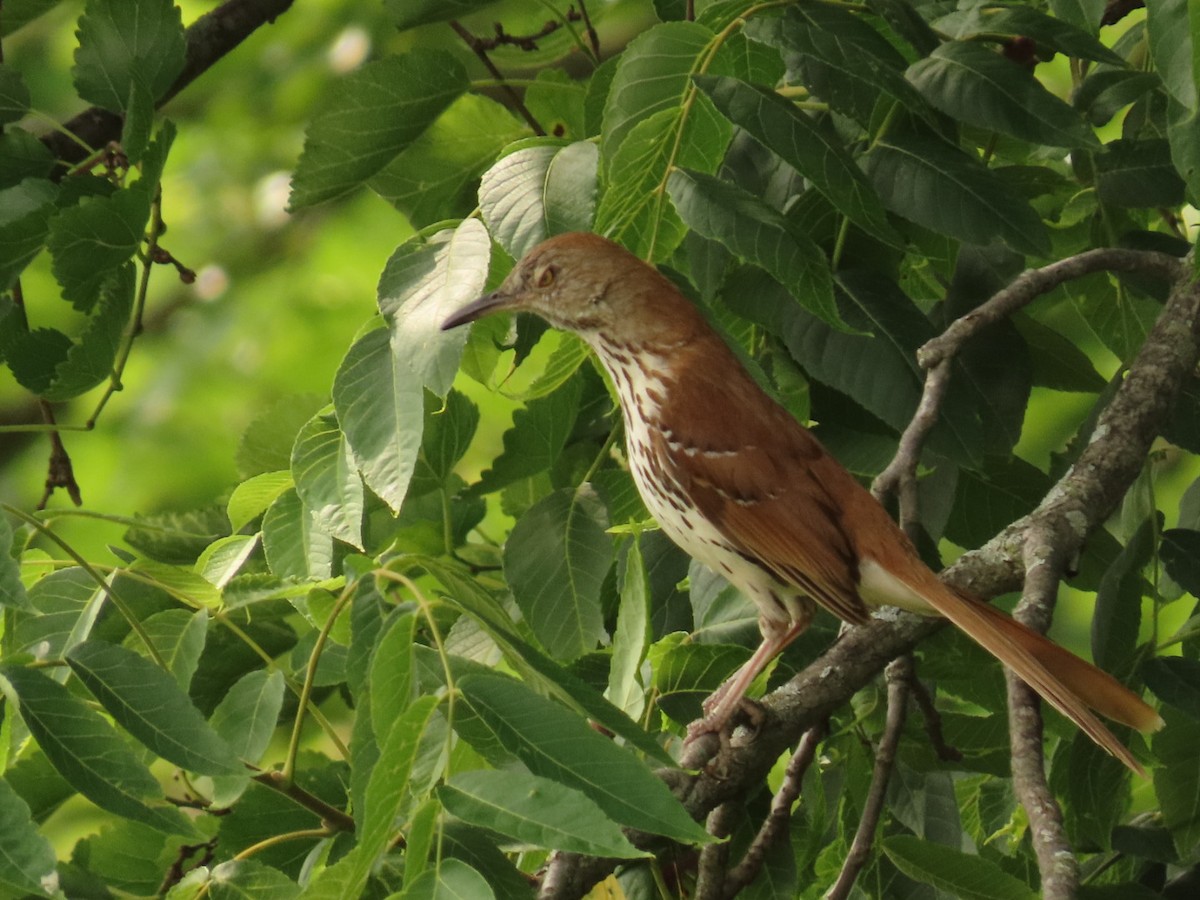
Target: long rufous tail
1074	687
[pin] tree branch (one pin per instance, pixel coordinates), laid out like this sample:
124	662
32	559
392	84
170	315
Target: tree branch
1044	563
209	38
1081	500
899	677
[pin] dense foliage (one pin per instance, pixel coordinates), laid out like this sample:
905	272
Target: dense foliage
414	648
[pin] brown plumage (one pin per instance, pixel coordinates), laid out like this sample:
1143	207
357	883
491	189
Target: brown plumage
745	489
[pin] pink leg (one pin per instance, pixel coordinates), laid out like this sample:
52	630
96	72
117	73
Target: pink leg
721	705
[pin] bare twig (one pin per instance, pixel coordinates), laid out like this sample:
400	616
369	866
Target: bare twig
60	473
480	48
899	677
593	36
775	826
1044	563
935	357
933	721
1083	499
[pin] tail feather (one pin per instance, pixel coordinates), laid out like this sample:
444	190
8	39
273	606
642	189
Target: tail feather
1074	687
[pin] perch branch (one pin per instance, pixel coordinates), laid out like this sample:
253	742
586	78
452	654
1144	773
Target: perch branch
1082	500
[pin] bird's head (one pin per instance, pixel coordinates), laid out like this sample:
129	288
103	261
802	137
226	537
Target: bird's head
587	284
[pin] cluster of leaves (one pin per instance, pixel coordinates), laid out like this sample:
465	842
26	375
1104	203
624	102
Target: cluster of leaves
833	183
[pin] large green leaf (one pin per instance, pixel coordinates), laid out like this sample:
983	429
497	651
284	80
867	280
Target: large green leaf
961	875
538	434
88	241
326	478
14	95
149	704
535	810
1138	173
539	191
800	141
632	635
89	754
1177	778
451	879
380	409
246	718
1119	604
369	118
26	858
556	743
127	46
758	234
90	360
421	285
25	210
12	591
974	84
934	184
1172	27
1175	680
555	561
295	546
1018	20
434	177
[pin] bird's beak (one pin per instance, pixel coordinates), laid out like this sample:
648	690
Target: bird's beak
477	309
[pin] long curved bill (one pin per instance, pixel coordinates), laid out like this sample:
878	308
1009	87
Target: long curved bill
477	309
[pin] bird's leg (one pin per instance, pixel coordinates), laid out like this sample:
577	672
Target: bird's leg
722	703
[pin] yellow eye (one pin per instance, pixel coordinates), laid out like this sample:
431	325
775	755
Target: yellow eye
544	277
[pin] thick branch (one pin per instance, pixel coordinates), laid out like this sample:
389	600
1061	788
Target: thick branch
209	38
1082	500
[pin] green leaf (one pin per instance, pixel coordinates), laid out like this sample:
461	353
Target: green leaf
962	875
25	211
555	561
391	677
987	501
27	860
1138	174
1120	318
556	101
250	499
89	754
1175	680
1177	778
1119	604
758	234
1105	92
1171	32
14	95
1180	552
1057	362
326	478
246	718
266	444
379	405
536	439
150	705
652	75
803	143
841	59
934	184
991	19
421	285
123	45
966	80
539	191
239	879
453	879
66	605
632	636
179	636
1095	787
12	591
385	790
370	117
558	744
534	810
295	546
34	355
88	241
449	428
89	362
435	176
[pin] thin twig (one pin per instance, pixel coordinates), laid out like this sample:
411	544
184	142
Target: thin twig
478	47
331	817
775	826
899	677
933	721
1044	564
60	473
593	36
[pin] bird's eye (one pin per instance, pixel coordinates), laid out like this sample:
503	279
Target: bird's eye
544	277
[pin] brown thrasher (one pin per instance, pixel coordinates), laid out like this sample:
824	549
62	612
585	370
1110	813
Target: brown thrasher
746	490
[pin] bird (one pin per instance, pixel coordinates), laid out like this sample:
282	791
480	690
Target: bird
745	489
